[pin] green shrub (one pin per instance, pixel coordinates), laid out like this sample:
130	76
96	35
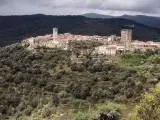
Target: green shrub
83	116
28	111
42	82
50	86
33	81
81	91
13	100
155	59
55	100
149	106
3	109
63	94
34	102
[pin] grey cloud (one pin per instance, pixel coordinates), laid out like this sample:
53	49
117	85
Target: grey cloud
3	2
42	6
122	5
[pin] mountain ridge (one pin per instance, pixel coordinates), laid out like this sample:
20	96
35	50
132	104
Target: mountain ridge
147	20
95	15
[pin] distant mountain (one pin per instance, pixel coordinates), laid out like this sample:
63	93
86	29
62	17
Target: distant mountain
15	28
146	20
95	15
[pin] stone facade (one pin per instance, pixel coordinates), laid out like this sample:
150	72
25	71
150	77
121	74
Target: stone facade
143	46
126	37
55	33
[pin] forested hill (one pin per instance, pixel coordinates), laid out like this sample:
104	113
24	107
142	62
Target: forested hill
15	28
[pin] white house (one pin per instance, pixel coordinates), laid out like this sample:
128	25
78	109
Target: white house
106	50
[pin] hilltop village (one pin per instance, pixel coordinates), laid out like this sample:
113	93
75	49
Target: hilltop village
77	77
110	45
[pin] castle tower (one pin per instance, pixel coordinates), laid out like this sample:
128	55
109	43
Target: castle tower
55	33
126	37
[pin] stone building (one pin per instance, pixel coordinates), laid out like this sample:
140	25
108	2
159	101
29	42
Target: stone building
143	46
106	50
111	44
126	37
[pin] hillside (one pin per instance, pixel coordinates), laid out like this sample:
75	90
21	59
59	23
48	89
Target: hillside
146	20
16	28
45	83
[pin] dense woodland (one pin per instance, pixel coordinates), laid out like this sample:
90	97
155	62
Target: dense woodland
43	83
15	28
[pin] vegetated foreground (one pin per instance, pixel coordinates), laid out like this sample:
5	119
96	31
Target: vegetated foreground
45	84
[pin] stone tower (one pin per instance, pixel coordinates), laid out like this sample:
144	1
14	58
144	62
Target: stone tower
55	33
126	37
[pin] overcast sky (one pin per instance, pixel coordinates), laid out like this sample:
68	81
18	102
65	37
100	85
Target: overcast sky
73	7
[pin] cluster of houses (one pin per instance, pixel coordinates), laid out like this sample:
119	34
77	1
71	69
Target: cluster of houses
111	44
